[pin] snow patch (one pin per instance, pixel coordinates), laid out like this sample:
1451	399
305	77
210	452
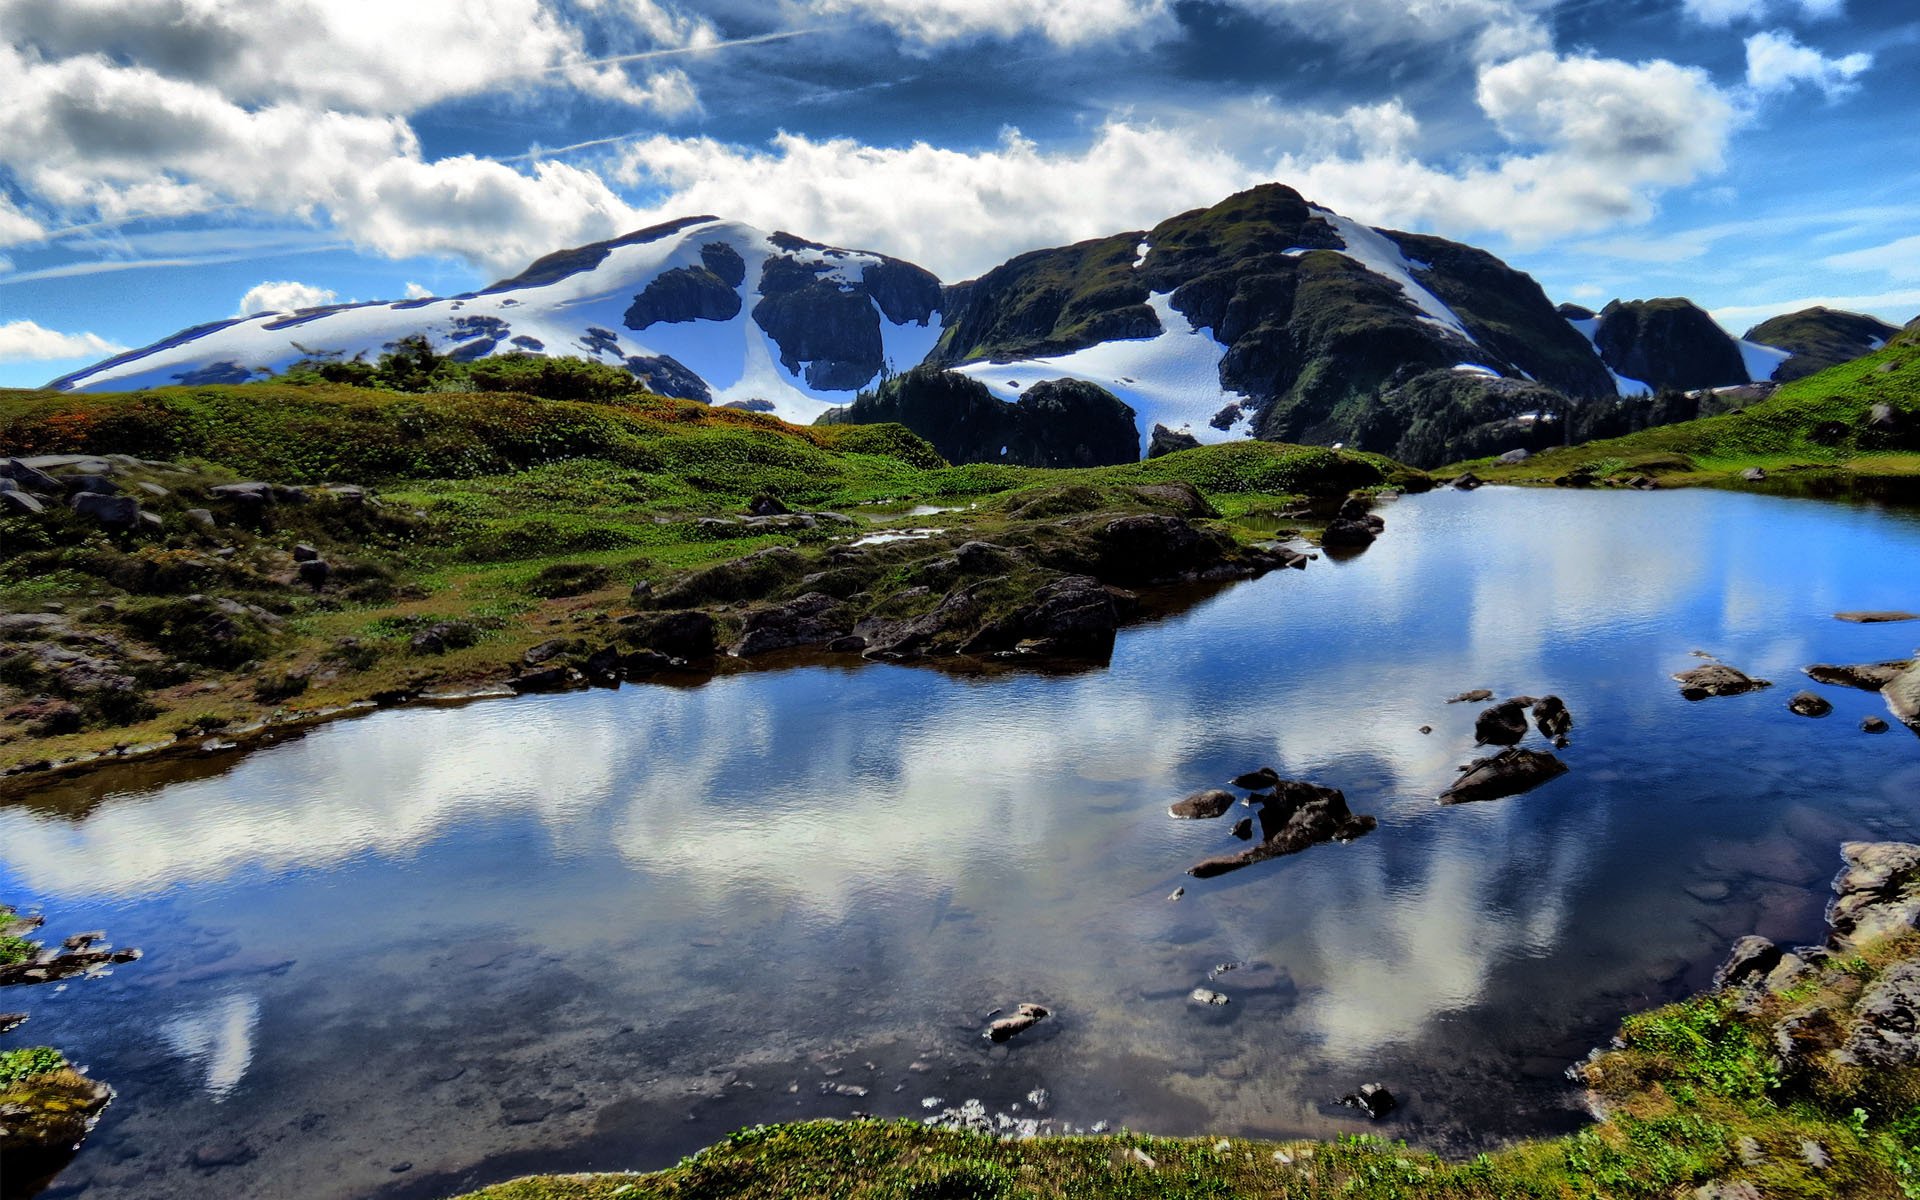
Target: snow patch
1762	361
1622	386
1171	379
1140	255
1377	253
1468	368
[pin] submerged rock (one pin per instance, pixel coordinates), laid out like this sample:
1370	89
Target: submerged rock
1508	773
1293	817
1023	1019
1809	705
1717	679
1476	696
1202	995
1203	805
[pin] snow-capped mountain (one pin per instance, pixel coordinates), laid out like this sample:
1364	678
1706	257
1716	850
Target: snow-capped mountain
702	308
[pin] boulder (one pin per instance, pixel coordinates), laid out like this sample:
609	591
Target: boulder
1754	474
1344	534
1023	1019
1293	817
1717	679
1551	718
810	620
1886	1030
684	633
1075	616
766	506
1164	441
550	649
305	553
1751	958
545	679
1504	724
252	494
1467	482
1868	677
1902	694
314	573
21	502
1508	773
1202	805
1257	780
1876	617
1878	893
30	477
108	512
1476	696
91	483
1807	704
1373	1099
1872	725
1243	829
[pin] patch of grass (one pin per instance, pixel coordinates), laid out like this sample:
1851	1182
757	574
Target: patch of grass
15	949
27	1062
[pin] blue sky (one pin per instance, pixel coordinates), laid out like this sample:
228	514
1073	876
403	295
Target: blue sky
169	162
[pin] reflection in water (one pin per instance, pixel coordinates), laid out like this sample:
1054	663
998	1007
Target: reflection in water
569	923
218	1041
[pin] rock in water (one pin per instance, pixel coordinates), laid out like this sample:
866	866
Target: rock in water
1372	1099
1868	677
1257	781
1551	718
1504	724
1023	1019
1876	895
1902	693
1872	725
1243	829
1717	679
1202	806
1508	773
1876	617
1809	705
1476	696
1295	816
1202	995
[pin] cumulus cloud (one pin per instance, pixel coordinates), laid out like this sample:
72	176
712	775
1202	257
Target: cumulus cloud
1729	12
25	341
1776	62
283	295
1593	143
369	56
1063	22
1899	258
417	291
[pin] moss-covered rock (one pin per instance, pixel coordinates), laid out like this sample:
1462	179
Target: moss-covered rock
1056	423
1820	338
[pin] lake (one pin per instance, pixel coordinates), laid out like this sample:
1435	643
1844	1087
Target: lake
430	948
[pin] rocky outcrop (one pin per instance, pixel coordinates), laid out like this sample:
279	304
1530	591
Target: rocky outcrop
683	294
1876	895
1055	423
1868	677
1902	694
1293	816
1668	343
810	620
1166	441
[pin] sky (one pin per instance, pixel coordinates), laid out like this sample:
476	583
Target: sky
165	163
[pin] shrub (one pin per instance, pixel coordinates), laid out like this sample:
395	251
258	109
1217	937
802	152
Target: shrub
568	579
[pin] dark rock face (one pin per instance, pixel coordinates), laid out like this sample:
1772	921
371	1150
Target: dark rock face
833	327
1373	1099
665	375
1056	423
1668	343
682	294
1203	805
1751	958
1820	338
1293	816
725	263
1717	679
1077	615
109	512
1504	724
1444	416
1551	718
1508	773
563	263
1167	441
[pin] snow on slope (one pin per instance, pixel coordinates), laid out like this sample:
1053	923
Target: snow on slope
1621	384
1377	253
1171	379
1762	361
580	314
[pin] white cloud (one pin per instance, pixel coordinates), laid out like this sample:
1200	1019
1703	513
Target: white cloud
1895	307
283	295
369	56
1063	22
416	291
1899	259
1776	62
25	341
1729	12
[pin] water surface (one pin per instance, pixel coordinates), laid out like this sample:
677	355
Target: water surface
599	930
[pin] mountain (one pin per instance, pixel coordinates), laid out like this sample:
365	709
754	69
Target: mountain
1818	338
1054	423
1262	315
699	308
1651	345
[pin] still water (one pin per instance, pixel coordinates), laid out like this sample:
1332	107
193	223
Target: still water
427	949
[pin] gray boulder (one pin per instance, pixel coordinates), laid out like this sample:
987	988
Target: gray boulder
109	512
811	620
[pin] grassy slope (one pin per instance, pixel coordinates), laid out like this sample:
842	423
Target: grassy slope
1687	1085
482	493
1775	434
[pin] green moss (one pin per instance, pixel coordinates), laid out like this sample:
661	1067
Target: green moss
15	949
27	1062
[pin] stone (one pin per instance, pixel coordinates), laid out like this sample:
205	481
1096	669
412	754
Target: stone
1476	696
1886	1030
252	494
1876	617
1293	817
1467	482
305	553
1717	679
1202	995
1873	725
1344	534
1257	781
21	502
1504	724
546	679
1508	773
551	648
314	573
1751	958
1902	694
1878	893
810	620
1373	1099
30	477
201	517
767	506
1551	718
1754	474
1513	456
1243	829
1203	805
683	633
1807	704
1023	1019
1164	441
109	512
